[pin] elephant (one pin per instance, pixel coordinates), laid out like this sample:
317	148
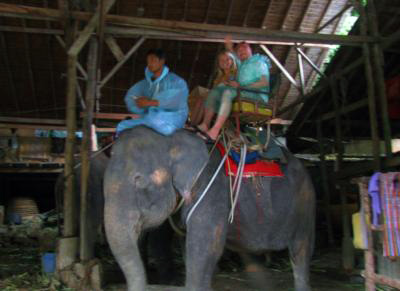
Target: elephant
148	172
157	241
95	197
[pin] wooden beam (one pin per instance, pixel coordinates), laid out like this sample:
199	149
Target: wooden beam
114	116
288	53
114	47
301	72
28	58
310	77
120	63
264	22
347	243
31	120
366	168
215	37
246	16
310	62
324	53
106	129
385	44
90	27
298	125
78	65
288	15
346	109
10	10
85	252
50	62
325	183
370	88
133	68
9	28
48	127
32	126
29	170
279	121
211	76
101	30
279	65
337	15
123	32
199	46
64	11
378	63
70	211
10	76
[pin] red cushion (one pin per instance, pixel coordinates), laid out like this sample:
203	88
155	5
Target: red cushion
259	168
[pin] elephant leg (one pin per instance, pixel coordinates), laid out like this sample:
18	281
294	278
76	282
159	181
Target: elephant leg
122	230
205	240
300	253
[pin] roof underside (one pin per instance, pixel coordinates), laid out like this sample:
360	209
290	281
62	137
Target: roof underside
33	65
352	88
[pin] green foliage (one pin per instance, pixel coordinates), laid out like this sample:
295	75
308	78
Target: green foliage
346	26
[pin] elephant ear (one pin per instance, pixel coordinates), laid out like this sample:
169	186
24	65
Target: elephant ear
189	157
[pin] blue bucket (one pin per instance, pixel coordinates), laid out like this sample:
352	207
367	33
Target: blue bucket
49	262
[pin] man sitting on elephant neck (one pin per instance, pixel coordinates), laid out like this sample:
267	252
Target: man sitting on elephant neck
160	99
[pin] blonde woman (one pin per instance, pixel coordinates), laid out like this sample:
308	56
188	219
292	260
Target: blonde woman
220	97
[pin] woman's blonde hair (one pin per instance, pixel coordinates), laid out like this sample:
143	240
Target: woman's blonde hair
220	73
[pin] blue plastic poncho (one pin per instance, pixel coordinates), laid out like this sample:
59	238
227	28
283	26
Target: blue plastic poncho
250	71
171	91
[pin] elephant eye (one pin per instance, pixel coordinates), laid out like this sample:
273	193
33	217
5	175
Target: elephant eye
139	181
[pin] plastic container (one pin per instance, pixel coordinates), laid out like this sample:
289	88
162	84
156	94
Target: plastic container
14	218
49	262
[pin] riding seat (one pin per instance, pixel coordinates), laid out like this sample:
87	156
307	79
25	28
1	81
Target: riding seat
255	112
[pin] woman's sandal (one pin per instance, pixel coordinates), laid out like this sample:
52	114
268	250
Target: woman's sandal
204	136
193	128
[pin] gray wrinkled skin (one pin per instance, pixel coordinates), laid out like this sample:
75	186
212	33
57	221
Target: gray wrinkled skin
95	195
146	172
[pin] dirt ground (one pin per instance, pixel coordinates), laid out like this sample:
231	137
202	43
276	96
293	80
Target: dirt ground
20	269
326	275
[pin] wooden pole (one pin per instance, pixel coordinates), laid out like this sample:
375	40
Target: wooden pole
79	66
114	47
325	184
369	253
370	89
311	63
347	242
280	67
301	71
88	30
86	253
120	63
346	109
377	62
70	213
330	21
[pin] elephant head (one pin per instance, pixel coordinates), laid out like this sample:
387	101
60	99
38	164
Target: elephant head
151	168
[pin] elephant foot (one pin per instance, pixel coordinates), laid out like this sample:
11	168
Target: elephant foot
303	288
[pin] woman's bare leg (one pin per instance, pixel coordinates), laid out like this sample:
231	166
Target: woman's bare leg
224	111
208	115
